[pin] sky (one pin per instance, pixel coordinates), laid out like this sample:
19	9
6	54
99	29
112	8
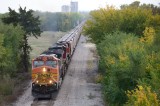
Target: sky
55	5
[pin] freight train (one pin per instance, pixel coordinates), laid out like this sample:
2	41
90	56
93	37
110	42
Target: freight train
49	68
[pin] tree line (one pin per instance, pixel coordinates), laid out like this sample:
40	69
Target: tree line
58	21
127	42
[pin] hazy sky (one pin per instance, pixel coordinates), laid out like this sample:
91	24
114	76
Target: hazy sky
55	5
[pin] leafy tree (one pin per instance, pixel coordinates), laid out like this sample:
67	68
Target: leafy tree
11	37
30	25
129	19
102	21
58	21
2	52
135	4
130	56
121	60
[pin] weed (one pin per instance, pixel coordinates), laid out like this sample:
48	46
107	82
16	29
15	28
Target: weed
6	85
99	78
90	64
91	96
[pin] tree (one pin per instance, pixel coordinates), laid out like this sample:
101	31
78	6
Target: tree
142	96
31	27
135	4
12	37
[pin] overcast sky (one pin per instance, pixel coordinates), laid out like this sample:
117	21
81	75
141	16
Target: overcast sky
55	5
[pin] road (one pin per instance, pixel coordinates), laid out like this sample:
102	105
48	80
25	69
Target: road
78	88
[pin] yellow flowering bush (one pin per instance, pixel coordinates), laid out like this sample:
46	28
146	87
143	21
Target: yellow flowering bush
149	34
142	96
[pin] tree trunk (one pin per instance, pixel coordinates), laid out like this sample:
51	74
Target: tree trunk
25	57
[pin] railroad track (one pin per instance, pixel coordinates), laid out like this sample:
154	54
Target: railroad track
45	101
42	102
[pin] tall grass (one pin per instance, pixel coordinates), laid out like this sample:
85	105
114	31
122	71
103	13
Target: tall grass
6	87
47	39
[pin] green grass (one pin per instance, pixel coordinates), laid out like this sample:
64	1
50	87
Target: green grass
47	39
6	85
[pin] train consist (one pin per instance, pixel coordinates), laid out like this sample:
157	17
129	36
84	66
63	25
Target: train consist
49	68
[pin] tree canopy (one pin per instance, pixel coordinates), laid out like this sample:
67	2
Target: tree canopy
128	41
30	26
58	21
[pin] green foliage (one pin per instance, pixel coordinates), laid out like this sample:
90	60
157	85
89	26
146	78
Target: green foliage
10	38
129	19
102	21
155	9
128	60
30	26
6	85
154	22
149	34
6	88
2	52
58	21
142	96
123	61
24	18
134	20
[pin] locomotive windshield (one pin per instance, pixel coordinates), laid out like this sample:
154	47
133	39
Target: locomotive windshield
38	63
51	63
57	51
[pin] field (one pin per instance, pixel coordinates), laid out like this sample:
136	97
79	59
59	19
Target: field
47	39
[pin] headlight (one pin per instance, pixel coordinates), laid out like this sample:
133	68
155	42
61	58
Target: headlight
44	69
50	81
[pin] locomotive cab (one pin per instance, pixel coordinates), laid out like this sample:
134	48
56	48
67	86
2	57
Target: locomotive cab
46	75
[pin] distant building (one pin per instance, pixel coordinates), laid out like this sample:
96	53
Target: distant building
65	8
74	6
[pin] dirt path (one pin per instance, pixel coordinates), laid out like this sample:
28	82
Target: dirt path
78	88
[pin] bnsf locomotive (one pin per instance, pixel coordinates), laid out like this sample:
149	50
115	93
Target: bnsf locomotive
49	68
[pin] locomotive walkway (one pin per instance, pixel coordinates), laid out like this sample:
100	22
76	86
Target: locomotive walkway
78	88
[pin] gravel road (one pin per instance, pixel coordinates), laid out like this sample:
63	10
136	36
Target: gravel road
78	87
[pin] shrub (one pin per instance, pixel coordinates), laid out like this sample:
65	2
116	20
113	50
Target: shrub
6	85
123	61
127	60
142	96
